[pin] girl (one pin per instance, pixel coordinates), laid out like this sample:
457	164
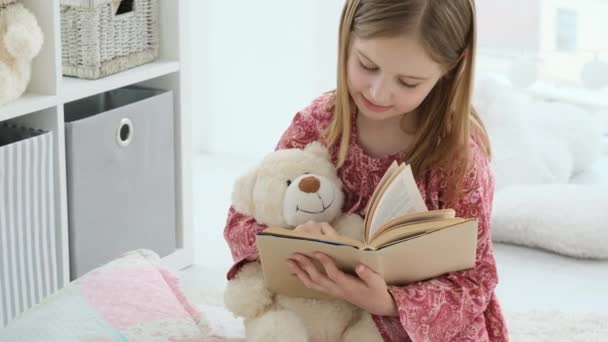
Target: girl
405	76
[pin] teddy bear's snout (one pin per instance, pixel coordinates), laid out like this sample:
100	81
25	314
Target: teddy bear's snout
309	184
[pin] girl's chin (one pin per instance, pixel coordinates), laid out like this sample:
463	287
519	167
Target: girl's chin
376	116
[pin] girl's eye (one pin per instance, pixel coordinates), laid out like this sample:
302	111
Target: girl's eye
288	182
368	68
407	85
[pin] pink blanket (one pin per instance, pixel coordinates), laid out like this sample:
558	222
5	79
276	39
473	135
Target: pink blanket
132	298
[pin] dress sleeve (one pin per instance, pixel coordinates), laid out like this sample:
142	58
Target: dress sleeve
240	233
441	308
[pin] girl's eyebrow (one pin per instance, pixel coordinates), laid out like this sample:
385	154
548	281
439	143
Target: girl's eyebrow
404	76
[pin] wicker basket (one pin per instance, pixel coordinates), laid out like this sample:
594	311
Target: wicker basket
103	37
6	2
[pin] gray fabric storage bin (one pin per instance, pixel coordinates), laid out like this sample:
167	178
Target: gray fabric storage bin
28	249
121	175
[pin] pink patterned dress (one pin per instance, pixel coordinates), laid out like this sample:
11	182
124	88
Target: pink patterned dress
459	306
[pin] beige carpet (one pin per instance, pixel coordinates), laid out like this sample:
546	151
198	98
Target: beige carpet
539	326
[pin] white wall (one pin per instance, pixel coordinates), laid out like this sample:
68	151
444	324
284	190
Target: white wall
255	64
496	29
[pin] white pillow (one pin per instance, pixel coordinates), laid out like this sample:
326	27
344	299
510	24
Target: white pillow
570	219
534	141
571	124
523	151
596	174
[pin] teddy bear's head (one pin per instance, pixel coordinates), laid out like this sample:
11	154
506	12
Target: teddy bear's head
290	187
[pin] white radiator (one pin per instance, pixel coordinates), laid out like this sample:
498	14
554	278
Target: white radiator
28	243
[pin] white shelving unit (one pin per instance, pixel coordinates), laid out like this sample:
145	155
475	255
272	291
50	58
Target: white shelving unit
42	106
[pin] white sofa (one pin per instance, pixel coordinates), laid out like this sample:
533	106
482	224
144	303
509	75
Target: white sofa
551	172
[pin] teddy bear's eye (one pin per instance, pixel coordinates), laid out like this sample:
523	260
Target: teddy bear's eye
288	182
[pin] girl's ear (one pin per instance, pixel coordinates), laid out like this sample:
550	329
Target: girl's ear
242	193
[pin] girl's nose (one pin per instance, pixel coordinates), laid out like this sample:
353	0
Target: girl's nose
380	92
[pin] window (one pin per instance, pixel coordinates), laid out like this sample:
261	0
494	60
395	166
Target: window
554	49
566	30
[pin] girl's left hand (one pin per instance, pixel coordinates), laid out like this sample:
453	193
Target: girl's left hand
367	290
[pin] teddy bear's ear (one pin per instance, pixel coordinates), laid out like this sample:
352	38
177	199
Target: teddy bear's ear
318	149
242	193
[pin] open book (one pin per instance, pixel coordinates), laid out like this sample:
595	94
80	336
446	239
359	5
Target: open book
403	241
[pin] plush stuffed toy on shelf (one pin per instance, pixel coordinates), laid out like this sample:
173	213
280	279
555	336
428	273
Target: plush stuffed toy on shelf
20	41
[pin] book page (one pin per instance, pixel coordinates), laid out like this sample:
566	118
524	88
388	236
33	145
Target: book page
400	197
406	231
412	218
379	188
393	171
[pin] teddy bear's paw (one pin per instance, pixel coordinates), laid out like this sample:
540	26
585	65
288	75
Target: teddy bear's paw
247	300
325	319
364	330
350	225
6	84
5	76
23	41
276	326
245	295
250	270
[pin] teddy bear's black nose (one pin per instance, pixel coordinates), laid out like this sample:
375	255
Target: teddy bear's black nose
309	184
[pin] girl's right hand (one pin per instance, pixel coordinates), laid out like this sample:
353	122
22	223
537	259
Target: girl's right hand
316	228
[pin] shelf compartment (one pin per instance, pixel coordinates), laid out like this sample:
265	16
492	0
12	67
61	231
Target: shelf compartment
75	89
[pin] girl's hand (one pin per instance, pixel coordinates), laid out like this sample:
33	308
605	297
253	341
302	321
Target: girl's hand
367	290
317	228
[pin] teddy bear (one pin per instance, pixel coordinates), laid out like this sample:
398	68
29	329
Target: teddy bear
20	41
287	188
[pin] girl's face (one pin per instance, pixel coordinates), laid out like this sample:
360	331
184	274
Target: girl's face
389	77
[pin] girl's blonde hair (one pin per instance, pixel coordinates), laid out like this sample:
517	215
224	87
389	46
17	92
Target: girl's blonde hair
447	30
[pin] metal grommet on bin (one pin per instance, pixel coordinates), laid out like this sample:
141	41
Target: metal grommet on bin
124	133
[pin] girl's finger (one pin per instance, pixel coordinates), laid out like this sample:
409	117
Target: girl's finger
301	274
332	271
320	280
371	278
